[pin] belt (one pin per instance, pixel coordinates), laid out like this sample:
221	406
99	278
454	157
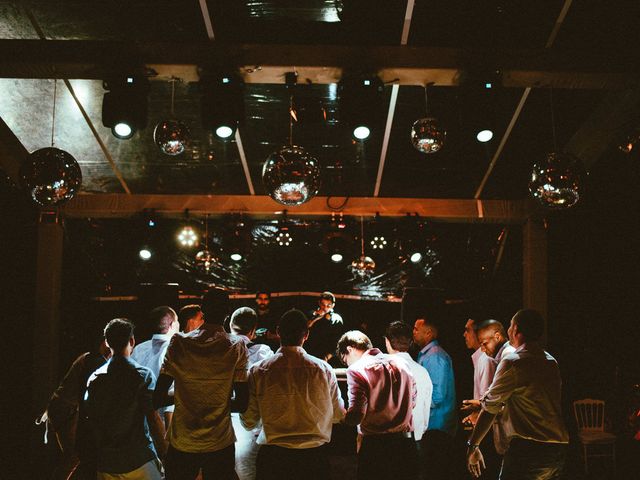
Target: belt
390	435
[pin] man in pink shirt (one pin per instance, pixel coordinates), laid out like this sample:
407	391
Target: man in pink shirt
382	395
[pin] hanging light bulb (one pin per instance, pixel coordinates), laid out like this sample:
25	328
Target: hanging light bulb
362	267
557	181
291	175
427	135
49	175
171	136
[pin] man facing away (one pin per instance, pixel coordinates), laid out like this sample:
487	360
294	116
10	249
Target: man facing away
243	324
398	338
296	398
190	318
164	323
207	367
120	412
527	385
382	395
435	446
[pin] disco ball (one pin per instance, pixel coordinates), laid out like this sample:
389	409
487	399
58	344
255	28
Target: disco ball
427	136
363	267
291	176
51	176
557	182
204	260
172	137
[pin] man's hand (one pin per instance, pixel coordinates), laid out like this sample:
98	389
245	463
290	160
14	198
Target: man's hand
470	420
472	405
475	461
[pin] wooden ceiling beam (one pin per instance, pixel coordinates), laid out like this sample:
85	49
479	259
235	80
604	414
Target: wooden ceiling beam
454	210
12	152
405	65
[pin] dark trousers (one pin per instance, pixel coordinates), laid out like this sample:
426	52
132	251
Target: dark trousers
279	463
390	456
219	465
435	454
529	460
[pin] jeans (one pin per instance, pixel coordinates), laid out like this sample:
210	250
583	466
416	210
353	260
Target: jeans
529	460
390	456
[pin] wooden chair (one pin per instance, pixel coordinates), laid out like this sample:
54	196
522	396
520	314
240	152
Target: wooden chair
589	415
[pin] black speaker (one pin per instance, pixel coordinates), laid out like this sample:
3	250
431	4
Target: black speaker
421	301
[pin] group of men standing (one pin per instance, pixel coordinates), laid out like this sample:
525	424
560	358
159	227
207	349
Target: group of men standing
405	410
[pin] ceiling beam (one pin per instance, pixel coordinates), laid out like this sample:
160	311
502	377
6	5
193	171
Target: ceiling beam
456	210
404	65
12	152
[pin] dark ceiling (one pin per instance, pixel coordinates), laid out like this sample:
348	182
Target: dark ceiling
350	168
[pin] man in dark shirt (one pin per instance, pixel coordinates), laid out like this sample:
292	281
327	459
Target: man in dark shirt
120	412
325	328
267	325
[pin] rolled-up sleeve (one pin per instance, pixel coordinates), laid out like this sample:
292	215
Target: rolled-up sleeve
336	398
358	401
502	387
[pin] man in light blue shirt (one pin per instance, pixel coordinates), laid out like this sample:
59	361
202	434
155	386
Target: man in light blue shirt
436	444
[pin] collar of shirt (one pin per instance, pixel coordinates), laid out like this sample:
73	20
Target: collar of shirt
289	348
475	356
405	356
500	353
161	336
427	347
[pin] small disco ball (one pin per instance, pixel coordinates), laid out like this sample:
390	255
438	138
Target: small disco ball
363	267
51	176
172	137
204	260
557	182
291	176
427	136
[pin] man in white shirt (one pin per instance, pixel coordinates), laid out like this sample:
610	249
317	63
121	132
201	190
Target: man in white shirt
483	367
164	323
207	366
243	324
527	390
398	338
296	398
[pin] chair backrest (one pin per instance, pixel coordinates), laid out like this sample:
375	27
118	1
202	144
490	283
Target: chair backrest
589	414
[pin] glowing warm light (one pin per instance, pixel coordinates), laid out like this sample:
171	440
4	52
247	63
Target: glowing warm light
188	237
145	254
336	257
484	136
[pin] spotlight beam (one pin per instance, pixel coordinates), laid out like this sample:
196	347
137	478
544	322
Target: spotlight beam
243	161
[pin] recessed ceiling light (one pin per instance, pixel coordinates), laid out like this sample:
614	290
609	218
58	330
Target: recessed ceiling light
361	132
484	136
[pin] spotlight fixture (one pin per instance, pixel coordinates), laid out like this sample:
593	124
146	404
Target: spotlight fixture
284	238
378	242
222	103
484	135
415	257
236	256
124	106
237	240
336	257
361	99
145	254
187	237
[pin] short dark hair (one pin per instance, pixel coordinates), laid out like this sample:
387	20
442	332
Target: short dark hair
118	332
399	335
494	325
263	292
161	318
430	321
530	324
186	313
215	306
355	339
328	296
243	320
292	327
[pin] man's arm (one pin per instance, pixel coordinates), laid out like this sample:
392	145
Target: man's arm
250	417
336	398
156	428
437	369
240	399
357	399
161	396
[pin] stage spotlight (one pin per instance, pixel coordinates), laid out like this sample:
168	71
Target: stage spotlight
145	253
336	257
415	257
236	256
124	106
484	135
361	101
188	237
378	242
222	104
284	238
